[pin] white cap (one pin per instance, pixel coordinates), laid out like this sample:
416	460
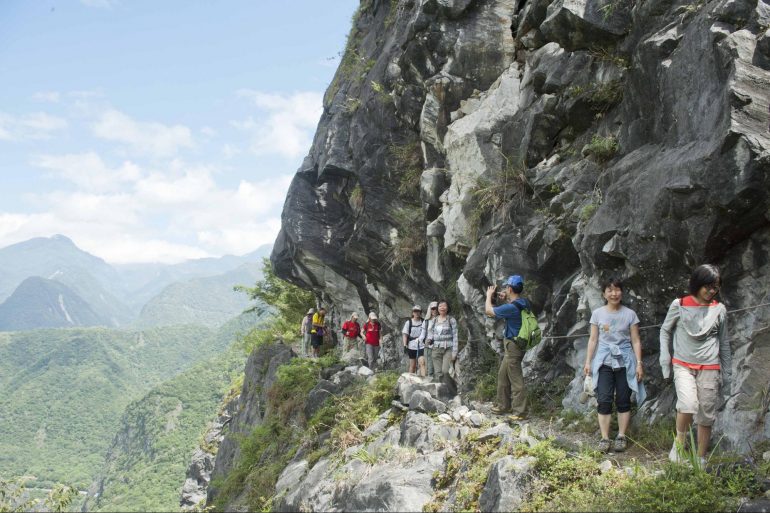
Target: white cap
373	316
433	304
416	307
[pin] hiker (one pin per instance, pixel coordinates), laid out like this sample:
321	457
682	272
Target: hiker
432	312
511	394
702	358
351	331
372	338
317	331
442	339
411	335
305	328
616	366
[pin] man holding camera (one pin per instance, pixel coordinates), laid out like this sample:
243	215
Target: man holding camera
511	393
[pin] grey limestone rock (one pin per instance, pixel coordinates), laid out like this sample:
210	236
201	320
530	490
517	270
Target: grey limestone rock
506	487
670	103
424	402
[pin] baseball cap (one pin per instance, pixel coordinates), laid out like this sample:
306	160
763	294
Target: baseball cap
372	315
514	281
433	304
416	307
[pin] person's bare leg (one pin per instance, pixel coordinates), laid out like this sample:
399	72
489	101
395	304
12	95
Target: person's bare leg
683	423
704	436
604	425
624	419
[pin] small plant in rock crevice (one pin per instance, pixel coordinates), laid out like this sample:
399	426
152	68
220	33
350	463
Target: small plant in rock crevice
466	470
603	54
492	195
381	94
602	149
411	239
405	165
357	197
352	105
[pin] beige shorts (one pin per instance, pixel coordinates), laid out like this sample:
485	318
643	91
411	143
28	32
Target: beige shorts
697	392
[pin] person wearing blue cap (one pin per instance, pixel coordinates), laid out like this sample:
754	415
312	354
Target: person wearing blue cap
511	394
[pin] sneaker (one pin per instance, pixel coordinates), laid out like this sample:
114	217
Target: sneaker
673	455
496	410
604	445
620	443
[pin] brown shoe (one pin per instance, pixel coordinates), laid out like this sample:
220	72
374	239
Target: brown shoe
496	410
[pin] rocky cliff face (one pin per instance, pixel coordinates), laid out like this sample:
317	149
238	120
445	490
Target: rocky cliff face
564	140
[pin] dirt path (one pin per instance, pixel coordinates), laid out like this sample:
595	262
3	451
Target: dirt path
576	440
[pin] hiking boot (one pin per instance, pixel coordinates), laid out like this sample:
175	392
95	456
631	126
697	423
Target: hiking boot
517	418
496	410
604	445
620	443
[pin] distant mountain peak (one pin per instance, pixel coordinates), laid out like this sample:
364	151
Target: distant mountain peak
41	303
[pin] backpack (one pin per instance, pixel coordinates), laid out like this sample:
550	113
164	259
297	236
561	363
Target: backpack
530	330
411	327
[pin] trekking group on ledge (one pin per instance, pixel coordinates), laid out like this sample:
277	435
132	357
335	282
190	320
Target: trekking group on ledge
693	345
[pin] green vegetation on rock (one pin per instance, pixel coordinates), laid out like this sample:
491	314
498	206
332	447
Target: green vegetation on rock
289	304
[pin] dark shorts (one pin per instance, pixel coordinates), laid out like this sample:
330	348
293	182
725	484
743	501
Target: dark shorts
415	353
316	340
613	387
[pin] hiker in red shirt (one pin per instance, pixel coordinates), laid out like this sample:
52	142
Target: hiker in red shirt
351	331
372	334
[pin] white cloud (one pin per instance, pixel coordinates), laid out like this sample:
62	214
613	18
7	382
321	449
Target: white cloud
288	125
47	96
145	138
37	125
244	237
127	214
99	238
88	171
128	250
229	151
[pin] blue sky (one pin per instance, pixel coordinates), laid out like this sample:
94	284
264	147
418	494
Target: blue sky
159	130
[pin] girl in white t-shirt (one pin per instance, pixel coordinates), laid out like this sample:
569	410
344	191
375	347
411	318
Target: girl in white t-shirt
614	360
412	344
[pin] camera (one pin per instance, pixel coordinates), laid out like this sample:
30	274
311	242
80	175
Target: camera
499	297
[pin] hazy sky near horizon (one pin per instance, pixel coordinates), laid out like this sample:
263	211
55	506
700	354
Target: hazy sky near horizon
152	130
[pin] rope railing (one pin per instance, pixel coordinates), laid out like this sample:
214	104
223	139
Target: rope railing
650	326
